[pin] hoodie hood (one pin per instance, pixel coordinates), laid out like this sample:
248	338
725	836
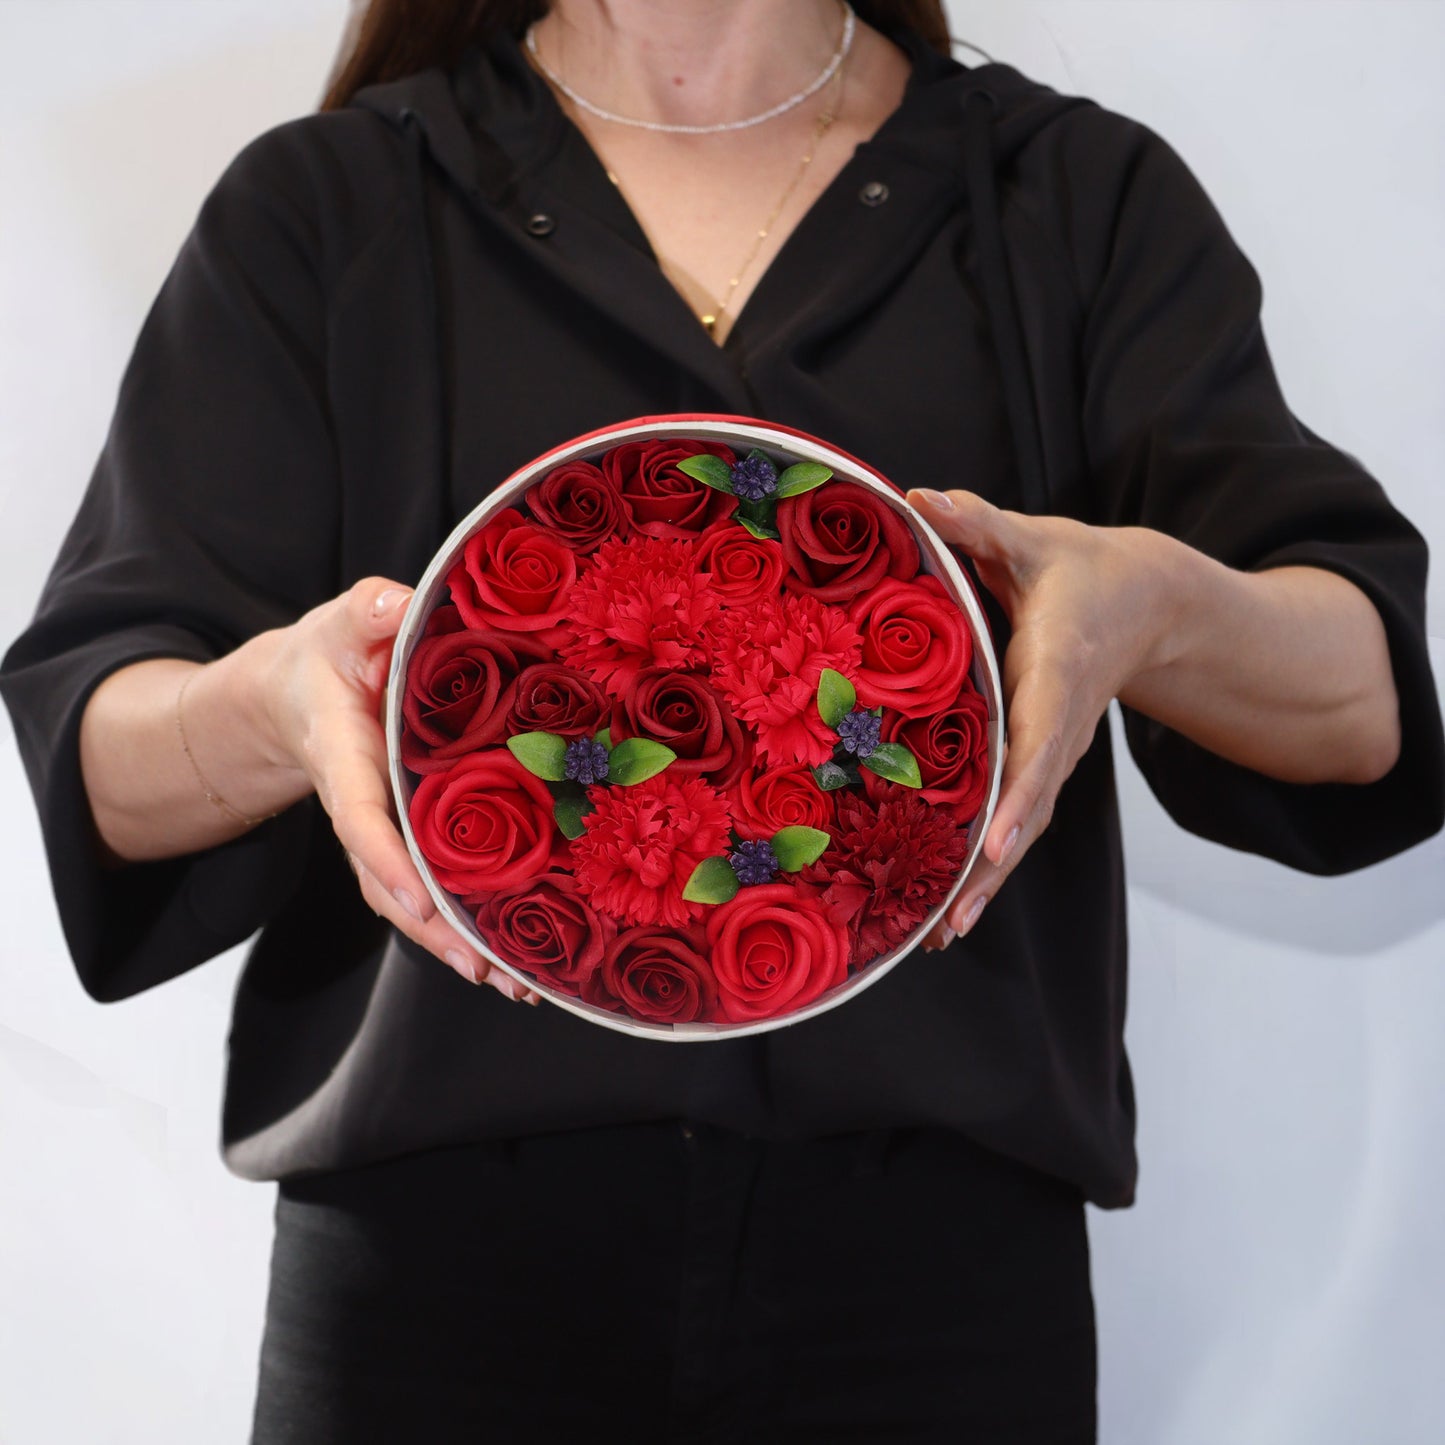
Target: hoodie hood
494	120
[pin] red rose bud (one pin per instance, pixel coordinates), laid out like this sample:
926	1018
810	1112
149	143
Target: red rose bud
459	689
581	505
764	803
515	577
655	974
684	713
550	698
774	949
917	648
841	539
743	570
952	752
485	824
664	501
546	928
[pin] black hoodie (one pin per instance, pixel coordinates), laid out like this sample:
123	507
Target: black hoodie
382	311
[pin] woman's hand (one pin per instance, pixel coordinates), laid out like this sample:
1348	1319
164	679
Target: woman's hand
1083	603
326	676
1285	670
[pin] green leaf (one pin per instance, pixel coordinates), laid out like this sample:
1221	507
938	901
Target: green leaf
712	881
569	812
636	760
837	697
541	753
832	776
605	738
765	533
711	471
894	762
797	847
802	477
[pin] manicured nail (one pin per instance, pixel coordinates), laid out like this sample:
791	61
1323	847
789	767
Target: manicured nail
1008	845
407	902
936	499
462	964
532	997
386	600
948	936
962	925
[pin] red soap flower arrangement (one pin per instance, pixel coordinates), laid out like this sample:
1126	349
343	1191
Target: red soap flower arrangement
689	734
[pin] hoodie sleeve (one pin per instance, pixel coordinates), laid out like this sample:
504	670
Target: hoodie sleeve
211	515
1187	432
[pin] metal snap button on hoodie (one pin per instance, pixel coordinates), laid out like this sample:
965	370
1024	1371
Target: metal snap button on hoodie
873	194
541	224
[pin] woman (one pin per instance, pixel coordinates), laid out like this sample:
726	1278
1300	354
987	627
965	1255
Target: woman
870	1225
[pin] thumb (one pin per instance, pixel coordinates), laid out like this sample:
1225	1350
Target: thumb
377	606
968	521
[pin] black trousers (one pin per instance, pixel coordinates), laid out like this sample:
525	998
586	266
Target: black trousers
674	1282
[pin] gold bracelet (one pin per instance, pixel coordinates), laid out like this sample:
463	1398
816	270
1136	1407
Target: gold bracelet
216	798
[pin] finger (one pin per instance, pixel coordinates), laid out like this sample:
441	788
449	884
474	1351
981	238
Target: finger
981	529
939	936
368	618
1035	762
440	939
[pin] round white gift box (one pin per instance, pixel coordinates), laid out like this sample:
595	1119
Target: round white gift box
786	445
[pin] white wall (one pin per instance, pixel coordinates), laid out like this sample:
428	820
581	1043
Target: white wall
1279	1279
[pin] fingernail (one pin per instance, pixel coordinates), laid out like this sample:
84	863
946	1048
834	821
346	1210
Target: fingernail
948	936
462	964
1008	844
533	997
936	499
962	925
386	600
407	902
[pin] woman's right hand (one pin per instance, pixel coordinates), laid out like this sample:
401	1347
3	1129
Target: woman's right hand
325	679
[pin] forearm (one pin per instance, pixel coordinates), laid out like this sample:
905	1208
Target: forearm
145	796
1286	671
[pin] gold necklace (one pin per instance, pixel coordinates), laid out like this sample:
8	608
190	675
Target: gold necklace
710	318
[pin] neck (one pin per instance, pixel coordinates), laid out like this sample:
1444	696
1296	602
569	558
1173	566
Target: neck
688	62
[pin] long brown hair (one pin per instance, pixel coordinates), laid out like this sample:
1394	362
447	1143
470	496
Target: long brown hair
391	38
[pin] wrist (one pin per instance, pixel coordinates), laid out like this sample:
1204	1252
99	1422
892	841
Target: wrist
1172	580
248	680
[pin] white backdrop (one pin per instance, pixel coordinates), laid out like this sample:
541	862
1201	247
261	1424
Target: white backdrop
1279	1280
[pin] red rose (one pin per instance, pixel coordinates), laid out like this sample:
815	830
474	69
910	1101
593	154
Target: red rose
916	646
681	711
550	698
581	504
543	926
486	824
743	569
774	950
841	539
459	687
514	577
651	973
952	752
664	501
789	797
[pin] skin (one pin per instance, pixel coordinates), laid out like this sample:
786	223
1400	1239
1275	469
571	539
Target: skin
1290	676
1286	671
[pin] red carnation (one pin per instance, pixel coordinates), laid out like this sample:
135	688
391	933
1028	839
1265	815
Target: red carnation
653	973
641	843
891	862
641	603
767	664
664	501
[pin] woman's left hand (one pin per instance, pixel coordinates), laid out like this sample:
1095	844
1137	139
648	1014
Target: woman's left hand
1085	606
